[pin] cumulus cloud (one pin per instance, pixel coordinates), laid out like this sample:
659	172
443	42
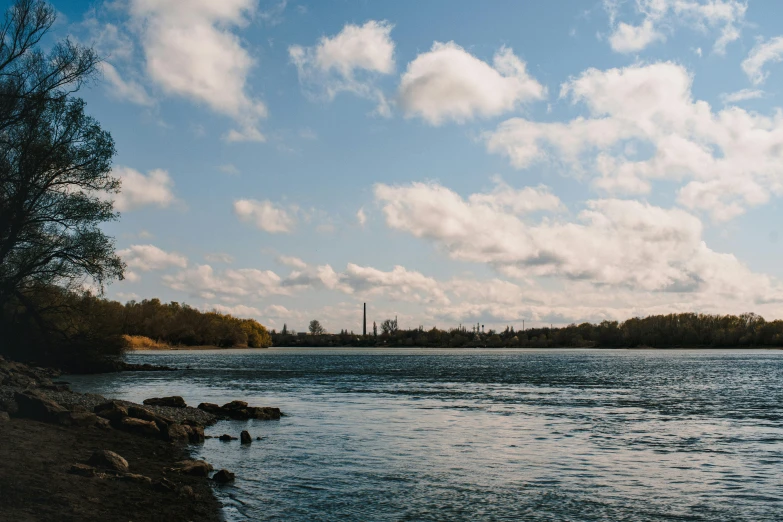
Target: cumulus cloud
292	261
759	56
266	215
150	257
622	243
448	83
730	159
204	282
138	190
349	61
191	51
219	257
723	16
361	217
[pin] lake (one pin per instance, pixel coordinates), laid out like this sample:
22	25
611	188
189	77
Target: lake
429	434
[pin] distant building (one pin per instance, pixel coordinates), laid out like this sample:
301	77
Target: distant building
302	334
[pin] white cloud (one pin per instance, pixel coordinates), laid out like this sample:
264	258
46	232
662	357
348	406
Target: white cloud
219	257
150	257
725	16
448	83
203	281
361	217
241	311
228	168
121	89
292	261
632	38
620	243
759	56
266	215
154	188
730	159
741	95
348	62
191	51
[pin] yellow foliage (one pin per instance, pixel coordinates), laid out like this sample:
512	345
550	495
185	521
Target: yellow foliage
140	342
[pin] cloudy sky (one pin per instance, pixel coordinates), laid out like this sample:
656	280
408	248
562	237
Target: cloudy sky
445	161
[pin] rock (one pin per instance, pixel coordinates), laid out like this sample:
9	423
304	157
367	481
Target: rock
134	477
83	419
78	408
197	468
111	410
109	460
164	484
245	437
4	417
208	407
264	413
35	405
187	491
10	406
223	476
174	402
177	432
258	438
235	405
103	424
140	427
144	414
83	470
195	434
226	437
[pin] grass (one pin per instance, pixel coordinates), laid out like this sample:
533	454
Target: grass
140	342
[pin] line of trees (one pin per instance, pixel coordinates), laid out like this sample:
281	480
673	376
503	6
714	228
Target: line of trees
687	330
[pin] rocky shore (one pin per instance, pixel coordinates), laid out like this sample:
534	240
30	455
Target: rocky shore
74	456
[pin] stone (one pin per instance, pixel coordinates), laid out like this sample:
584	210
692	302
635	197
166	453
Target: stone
174	402
83	470
235	405
226	437
139	426
177	433
103	424
223	476
245	438
264	413
144	414
4	417
195	434
196	468
164	485
111	410
34	405
258	438
109	460
187	491
208	407
9	406
78	408
135	477
82	419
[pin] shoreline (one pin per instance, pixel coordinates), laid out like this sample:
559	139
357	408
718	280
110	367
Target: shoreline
55	443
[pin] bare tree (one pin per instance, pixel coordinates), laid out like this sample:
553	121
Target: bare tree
55	163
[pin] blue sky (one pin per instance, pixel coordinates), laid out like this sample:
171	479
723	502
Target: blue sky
446	161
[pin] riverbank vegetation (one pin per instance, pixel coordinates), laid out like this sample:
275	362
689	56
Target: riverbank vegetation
687	330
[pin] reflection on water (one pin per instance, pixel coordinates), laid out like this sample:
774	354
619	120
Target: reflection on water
488	434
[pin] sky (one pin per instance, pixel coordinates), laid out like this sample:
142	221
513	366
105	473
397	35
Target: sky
447	162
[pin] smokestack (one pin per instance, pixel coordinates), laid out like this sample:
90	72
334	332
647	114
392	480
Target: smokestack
364	322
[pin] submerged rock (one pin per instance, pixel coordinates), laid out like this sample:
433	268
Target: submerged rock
174	402
245	437
109	460
239	410
226	437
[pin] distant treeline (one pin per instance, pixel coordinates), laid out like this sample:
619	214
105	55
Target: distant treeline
658	331
58	327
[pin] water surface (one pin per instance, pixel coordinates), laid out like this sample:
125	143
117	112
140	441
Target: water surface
423	434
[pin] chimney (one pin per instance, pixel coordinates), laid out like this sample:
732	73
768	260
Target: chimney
364	322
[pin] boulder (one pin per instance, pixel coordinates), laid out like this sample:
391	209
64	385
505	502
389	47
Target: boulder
187	491
135	477
245	438
10	406
144	414
103	424
226	437
223	476
264	413
78	408
195	434
34	405
4	417
139	426
235	405
177	432
174	402
112	411
196	468
214	409
82	419
108	460
83	470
